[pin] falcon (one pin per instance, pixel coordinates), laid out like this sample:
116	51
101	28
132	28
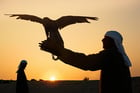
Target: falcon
52	26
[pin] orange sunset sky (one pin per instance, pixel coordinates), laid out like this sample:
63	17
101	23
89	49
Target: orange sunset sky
19	39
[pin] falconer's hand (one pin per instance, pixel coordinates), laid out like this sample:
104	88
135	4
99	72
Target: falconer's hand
51	46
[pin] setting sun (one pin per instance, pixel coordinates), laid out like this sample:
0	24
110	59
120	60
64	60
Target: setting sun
52	78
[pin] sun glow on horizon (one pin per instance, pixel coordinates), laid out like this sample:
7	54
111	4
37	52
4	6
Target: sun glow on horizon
52	78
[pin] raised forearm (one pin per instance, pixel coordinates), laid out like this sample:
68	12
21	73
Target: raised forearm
80	60
73	58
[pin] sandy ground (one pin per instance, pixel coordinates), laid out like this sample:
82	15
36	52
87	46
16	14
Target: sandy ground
61	86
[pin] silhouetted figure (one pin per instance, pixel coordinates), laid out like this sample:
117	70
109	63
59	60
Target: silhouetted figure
21	83
112	61
52	26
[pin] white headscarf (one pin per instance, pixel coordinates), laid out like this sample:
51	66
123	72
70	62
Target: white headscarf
116	36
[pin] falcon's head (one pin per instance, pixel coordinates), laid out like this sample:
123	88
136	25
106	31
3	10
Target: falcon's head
46	19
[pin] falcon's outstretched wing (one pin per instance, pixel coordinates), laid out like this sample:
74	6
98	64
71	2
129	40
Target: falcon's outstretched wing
26	17
67	20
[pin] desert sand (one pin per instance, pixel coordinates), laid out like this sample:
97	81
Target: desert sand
63	86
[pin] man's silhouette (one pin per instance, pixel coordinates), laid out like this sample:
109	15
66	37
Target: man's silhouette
112	61
21	83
